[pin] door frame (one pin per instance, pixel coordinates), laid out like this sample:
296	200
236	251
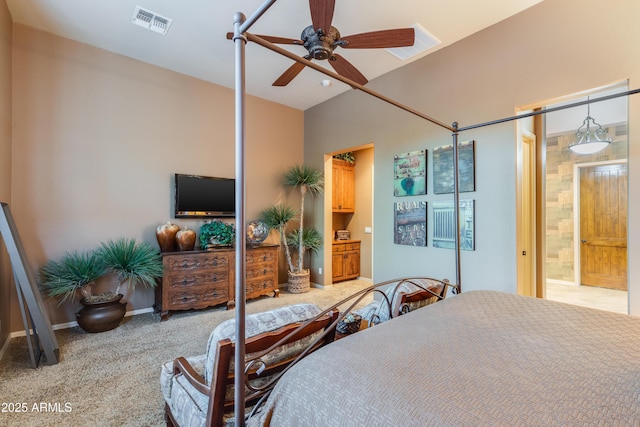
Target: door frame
577	270
526	187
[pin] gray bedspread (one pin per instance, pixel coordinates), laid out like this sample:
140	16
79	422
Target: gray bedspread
481	358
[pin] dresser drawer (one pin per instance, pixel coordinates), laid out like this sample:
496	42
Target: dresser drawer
352	246
263	270
260	285
196	298
339	247
196	278
260	256
192	263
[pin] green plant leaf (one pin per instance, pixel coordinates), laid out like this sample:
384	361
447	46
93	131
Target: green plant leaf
72	272
134	263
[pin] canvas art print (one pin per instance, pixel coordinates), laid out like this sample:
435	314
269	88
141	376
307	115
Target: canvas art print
443	168
410	173
410	223
444	225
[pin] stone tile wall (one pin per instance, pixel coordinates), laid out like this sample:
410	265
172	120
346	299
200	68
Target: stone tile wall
559	196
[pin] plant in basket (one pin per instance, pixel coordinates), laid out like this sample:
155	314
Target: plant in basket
307	181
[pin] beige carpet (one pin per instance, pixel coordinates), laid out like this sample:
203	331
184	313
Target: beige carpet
112	378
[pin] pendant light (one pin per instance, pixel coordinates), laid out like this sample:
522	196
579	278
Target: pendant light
590	137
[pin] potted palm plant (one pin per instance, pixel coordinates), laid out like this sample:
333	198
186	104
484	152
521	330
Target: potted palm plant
131	262
308	181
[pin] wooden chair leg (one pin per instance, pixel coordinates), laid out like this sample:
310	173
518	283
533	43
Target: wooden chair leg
168	417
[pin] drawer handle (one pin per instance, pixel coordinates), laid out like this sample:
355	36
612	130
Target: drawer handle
215	262
184	298
264	257
264	271
214	278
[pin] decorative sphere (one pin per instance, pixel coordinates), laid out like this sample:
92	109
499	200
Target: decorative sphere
257	231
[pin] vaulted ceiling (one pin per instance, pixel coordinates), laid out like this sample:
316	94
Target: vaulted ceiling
195	43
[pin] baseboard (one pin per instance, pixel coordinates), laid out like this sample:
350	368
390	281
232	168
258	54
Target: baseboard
68	325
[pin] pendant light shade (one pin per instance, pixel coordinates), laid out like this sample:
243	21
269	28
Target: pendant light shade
590	137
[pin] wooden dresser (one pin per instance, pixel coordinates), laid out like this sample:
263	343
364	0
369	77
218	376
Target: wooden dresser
201	279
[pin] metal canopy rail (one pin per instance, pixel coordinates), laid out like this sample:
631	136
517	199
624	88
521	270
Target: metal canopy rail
240	37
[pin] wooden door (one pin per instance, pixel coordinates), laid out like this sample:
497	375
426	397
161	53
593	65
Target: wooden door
603	226
337	265
352	264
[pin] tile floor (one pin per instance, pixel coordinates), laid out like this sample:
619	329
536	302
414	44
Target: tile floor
589	296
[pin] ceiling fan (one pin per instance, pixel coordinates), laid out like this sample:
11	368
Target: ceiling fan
321	39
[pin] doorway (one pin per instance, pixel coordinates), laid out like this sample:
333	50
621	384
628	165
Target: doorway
349	227
585	207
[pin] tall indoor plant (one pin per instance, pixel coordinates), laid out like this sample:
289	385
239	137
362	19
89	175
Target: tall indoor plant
308	181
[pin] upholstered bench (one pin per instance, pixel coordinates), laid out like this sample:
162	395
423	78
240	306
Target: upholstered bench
188	399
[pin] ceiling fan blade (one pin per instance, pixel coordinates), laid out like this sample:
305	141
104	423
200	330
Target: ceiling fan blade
274	39
290	73
400	37
346	69
322	14
281	40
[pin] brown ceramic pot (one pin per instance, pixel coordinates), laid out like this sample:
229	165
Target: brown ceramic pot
101	316
166	235
186	239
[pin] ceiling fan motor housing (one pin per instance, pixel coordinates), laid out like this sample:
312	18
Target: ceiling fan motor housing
319	45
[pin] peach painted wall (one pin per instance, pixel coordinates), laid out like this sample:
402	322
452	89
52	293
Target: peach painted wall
98	137
6	284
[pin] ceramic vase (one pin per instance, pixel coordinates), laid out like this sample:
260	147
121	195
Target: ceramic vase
186	239
101	316
166	235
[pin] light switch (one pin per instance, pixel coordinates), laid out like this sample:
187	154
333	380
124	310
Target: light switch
367	230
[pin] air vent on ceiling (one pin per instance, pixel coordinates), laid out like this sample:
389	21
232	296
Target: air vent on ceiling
151	20
423	42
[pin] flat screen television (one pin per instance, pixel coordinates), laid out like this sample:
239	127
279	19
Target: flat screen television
204	196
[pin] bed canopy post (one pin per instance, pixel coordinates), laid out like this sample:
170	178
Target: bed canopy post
239	392
240	25
456	206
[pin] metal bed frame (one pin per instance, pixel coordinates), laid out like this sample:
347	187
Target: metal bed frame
241	25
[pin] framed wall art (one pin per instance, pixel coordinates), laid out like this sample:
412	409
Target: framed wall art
443	168
410	223
444	225
410	173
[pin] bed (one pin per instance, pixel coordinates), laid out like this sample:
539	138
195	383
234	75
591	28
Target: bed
478	358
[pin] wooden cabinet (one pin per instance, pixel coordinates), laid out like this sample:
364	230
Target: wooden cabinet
200	279
343	198
345	260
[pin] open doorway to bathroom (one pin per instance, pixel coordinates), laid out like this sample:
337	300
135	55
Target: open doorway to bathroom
585	256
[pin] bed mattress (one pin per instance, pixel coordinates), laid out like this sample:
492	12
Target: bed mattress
481	358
